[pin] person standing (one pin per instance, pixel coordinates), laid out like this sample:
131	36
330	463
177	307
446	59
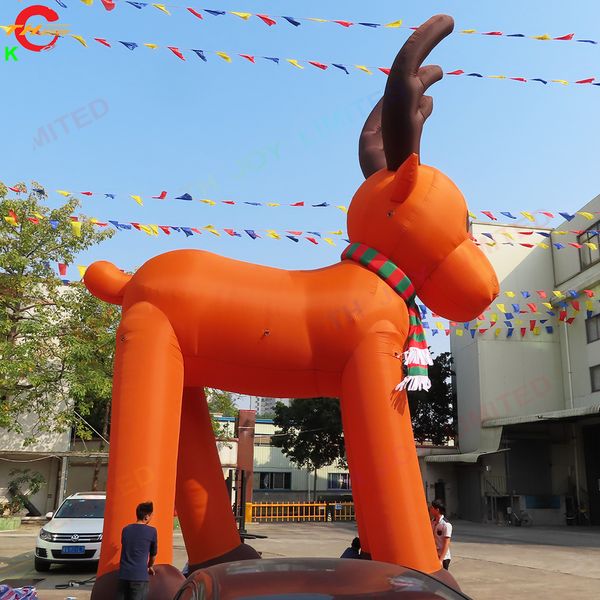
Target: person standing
442	531
138	552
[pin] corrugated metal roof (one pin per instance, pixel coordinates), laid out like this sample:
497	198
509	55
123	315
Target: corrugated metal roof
467	457
555	415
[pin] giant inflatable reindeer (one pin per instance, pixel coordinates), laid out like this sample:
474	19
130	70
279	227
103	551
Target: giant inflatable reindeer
192	319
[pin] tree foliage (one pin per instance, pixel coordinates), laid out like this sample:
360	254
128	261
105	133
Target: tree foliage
44	325
433	412
310	432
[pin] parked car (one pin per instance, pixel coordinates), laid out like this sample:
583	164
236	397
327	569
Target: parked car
74	533
312	579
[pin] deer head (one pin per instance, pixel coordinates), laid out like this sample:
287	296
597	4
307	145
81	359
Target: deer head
412	213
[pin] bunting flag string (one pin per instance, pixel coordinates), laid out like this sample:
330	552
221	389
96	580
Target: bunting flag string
301	64
165	8
531	215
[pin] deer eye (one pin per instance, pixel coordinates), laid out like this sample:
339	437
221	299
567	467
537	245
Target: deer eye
390	213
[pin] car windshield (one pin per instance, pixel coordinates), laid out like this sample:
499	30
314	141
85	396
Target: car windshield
81	508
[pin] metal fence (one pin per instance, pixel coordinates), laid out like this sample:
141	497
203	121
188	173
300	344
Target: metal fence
270	512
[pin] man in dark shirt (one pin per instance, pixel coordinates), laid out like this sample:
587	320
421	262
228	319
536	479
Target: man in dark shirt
138	551
352	551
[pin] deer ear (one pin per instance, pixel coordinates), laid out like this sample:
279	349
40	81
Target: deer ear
406	178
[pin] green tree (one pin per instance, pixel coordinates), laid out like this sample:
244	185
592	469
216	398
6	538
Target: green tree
37	325
433	412
220	403
310	433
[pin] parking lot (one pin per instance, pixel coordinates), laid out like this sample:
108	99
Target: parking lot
490	562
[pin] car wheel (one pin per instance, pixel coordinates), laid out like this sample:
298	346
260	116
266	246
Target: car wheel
42	566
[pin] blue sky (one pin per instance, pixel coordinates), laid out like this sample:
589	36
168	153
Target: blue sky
274	133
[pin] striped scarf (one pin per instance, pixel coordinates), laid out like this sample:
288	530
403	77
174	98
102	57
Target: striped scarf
416	354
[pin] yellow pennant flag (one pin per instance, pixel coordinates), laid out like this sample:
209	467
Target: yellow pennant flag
547	305
518	322
528	216
439	325
207	201
338	232
394	24
329	241
591	245
496	332
558	293
544	37
536	330
497	77
468	31
508	235
319	20
9	28
273	234
146	229
11	221
561	81
241	15
589	305
364	69
76	225
491	243
478	324
81	270
154	229
494	317
151	46
543	245
63	193
162	8
501	308
459	332
224	56
88	2
295	63
586	215
472	215
557	232
273	204
37	215
79	39
212	230
343	208
138	199
510	294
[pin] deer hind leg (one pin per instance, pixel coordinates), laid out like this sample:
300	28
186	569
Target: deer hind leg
202	502
146	404
383	457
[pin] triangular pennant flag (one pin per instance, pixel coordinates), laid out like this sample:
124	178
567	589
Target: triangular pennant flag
138	199
266	19
176	52
162	8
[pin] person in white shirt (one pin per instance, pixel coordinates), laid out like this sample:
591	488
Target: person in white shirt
442	531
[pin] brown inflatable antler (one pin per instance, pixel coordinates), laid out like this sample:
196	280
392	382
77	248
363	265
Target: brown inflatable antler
393	130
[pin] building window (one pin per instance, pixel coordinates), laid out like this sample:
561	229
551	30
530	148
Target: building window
592	328
338	481
588	256
273	480
595	377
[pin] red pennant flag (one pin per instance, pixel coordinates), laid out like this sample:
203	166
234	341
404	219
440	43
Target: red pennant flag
570	320
195	13
547	214
86	193
453	323
589	293
532	307
297	204
492	33
108	4
523	331
385	70
162	196
482	331
565	38
16	190
481	318
166	229
62	269
527	245
13	214
525	232
532	325
575	304
33	220
137	226
575	245
248	57
312	239
176	52
489	214
541	294
344	23
229	231
295	232
103	42
522	79
447	331
196	230
100	224
227	201
589	80
266	19
492	323
319	65
74	219
562	315
457	72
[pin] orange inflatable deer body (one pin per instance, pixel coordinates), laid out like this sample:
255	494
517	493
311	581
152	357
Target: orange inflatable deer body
192	319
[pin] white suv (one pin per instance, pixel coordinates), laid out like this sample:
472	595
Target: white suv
74	532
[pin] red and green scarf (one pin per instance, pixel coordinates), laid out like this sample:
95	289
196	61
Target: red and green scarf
416	353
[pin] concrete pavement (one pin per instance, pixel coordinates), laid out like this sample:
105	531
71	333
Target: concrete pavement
490	562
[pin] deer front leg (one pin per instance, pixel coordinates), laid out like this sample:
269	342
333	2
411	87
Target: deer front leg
383	456
146	405
202	502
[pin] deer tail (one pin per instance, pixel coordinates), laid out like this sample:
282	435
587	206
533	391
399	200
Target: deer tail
106	282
